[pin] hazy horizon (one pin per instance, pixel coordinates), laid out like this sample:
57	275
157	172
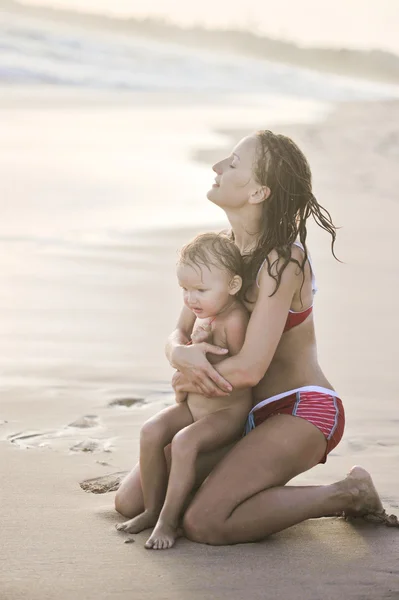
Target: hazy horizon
365	24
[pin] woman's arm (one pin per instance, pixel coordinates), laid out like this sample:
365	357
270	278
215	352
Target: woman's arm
194	370
265	328
234	330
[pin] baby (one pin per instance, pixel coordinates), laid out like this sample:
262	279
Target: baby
209	271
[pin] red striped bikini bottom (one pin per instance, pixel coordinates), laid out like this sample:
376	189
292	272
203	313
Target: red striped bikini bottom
320	406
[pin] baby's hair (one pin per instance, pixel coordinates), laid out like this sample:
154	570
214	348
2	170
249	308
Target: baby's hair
215	249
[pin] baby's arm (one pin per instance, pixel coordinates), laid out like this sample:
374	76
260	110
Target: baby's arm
180	396
200	334
181	335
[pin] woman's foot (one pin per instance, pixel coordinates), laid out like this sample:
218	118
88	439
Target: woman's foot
163	537
364	497
365	501
143	521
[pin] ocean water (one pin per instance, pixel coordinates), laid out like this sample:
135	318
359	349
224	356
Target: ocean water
93	173
368	24
92	168
40	51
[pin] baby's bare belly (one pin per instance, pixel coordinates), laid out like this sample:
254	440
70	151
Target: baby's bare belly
239	403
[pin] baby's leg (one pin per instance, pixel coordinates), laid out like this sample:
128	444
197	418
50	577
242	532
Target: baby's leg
155	434
129	500
207	434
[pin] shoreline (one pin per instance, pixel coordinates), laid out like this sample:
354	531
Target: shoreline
374	65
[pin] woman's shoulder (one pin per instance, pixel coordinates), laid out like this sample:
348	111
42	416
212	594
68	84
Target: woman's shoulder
298	253
275	262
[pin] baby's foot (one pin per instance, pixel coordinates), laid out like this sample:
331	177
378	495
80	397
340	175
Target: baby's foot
163	537
143	521
365	499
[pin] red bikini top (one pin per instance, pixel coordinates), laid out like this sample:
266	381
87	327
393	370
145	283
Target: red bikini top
296	318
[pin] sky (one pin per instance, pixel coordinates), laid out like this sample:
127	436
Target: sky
352	23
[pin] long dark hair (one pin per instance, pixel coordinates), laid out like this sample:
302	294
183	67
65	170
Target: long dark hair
283	168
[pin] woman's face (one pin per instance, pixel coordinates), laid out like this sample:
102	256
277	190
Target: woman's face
234	182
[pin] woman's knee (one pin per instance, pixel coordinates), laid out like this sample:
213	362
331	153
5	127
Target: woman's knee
129	496
123	506
199	526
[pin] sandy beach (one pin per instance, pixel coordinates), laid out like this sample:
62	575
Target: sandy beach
82	334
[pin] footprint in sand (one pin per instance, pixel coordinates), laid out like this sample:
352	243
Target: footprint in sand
73	437
85	422
127	402
21	437
92	446
104	484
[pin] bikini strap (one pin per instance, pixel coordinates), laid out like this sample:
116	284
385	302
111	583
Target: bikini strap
257	276
314	284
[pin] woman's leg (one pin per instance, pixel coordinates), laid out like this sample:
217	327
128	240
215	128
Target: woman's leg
155	434
205	435
129	501
245	498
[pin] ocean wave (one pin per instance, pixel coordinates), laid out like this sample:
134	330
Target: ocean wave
63	53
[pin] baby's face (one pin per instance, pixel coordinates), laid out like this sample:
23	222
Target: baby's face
206	290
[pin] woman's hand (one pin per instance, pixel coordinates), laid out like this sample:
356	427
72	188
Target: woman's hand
181	385
196	372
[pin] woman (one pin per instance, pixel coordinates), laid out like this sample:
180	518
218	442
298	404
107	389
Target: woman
265	189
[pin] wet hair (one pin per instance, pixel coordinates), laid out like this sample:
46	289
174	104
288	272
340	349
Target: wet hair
282	167
213	249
